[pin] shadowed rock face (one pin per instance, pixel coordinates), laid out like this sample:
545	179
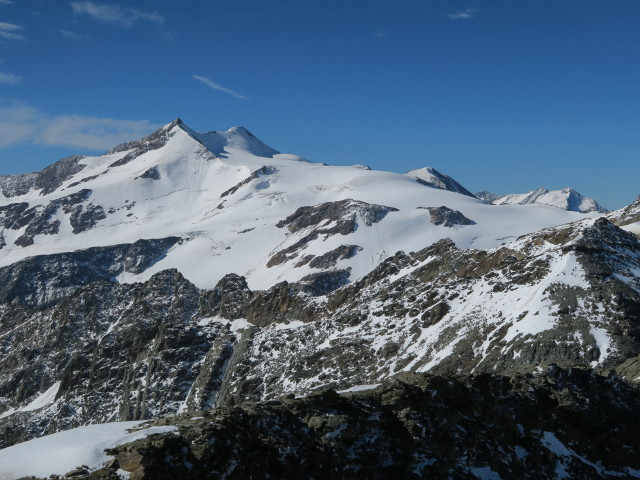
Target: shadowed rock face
152	174
432	178
147	350
413	426
156	140
628	215
322	283
47	180
41	219
327	219
329	259
343	213
256	174
447	217
40	281
102	338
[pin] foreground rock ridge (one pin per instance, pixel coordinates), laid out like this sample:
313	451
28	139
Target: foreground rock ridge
115	306
556	423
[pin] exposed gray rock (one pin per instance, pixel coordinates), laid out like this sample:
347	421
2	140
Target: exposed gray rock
16	185
343	214
627	215
431	177
413	426
255	174
42	280
486	196
47	180
147	350
322	283
152	174
52	177
87	217
40	220
327	219
448	217
329	259
83	180
41	224
156	140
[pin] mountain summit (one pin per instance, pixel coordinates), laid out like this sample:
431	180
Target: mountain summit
567	199
353	318
231	199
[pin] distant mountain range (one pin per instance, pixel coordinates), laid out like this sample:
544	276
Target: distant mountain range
193	272
566	199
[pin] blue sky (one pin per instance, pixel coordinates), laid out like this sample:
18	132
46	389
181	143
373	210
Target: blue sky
502	95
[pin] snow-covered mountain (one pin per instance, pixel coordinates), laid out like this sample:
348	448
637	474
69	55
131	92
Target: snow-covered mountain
486	196
189	271
237	205
567	199
430	176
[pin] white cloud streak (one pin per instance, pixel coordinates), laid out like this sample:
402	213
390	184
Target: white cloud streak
73	35
110	13
6	2
24	124
211	84
9	78
462	14
8	31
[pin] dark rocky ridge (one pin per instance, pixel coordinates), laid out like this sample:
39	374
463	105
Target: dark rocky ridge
554	424
155	141
140	351
152	174
324	220
329	259
254	175
443	182
628	215
447	217
40	281
47	180
41	219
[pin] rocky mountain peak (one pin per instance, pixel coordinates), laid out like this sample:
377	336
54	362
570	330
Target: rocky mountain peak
433	178
188	272
567	199
486	196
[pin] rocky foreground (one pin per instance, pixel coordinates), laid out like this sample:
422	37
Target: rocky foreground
557	423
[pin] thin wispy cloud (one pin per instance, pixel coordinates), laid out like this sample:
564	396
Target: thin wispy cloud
9	78
380	34
6	2
462	14
124	17
22	123
73	35
9	31
211	84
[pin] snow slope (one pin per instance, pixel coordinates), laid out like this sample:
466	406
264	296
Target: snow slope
567	199
62	452
224	193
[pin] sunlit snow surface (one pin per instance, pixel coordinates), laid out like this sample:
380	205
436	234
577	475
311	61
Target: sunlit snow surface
566	198
64	451
41	401
237	233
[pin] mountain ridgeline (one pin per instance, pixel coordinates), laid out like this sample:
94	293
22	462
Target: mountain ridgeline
193	272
